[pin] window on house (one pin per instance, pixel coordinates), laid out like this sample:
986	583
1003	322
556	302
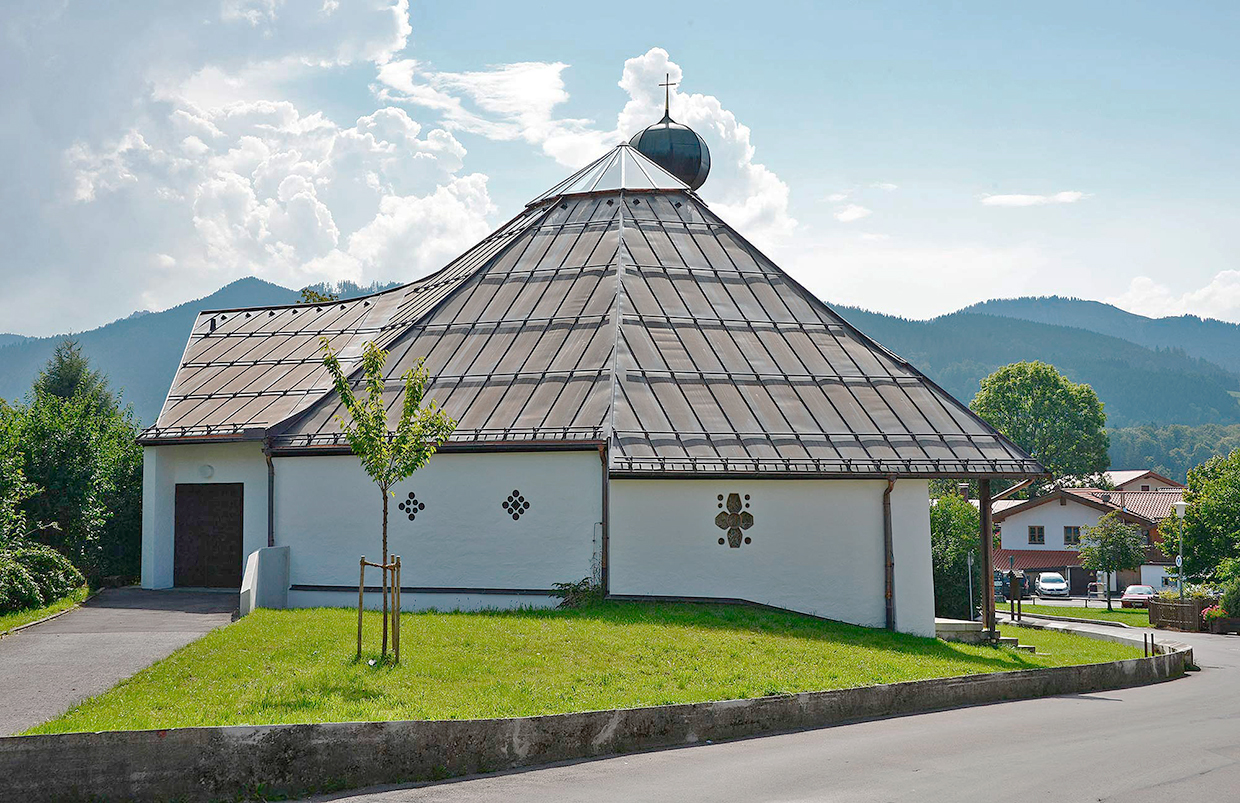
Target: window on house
1037	534
1072	536
1145	487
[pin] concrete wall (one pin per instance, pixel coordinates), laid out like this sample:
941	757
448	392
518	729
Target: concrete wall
265	582
816	546
329	512
201	764
163	467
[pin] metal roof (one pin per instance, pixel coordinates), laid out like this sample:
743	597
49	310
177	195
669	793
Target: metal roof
617	309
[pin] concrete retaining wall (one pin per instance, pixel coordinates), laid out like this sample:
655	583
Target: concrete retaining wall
265	581
211	763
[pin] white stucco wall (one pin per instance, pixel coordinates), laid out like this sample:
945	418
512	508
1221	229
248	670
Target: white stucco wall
1153	484
1156	576
329	512
817	546
1014	530
163	467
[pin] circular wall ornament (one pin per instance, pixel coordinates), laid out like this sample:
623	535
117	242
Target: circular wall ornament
206	471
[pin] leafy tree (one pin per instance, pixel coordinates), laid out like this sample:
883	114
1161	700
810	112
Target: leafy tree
954	528
1211	527
78	451
1057	421
68	374
387	456
311	296
15	489
1112	545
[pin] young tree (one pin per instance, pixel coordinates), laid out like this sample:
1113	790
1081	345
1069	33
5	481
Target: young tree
387	456
1112	545
954	528
1057	421
1211	523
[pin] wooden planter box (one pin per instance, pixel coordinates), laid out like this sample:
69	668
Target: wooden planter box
1225	625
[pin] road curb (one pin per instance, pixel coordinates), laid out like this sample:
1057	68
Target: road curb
52	616
1080	619
207	763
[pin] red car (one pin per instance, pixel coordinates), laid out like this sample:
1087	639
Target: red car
1136	597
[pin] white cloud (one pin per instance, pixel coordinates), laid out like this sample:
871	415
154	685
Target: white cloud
519	101
886	186
870	236
1220	298
837	197
184	165
851	212
1067	197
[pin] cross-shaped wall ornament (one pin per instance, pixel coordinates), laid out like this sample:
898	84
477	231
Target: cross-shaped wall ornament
734	520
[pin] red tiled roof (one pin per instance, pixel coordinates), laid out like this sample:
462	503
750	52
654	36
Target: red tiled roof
1036	558
1150	505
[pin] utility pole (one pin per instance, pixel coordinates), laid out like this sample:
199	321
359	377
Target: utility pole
1180	507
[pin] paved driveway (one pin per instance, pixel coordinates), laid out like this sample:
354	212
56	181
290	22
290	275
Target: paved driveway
1171	741
47	668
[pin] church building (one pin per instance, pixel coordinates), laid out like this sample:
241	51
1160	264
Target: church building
642	397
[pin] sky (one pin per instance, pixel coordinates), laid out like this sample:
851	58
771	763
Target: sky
911	158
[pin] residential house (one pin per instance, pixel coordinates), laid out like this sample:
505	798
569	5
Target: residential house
1043	534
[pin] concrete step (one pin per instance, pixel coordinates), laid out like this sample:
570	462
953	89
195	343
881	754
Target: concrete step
958	630
1008	641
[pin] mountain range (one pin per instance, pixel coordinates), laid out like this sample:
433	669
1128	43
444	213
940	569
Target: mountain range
1147	371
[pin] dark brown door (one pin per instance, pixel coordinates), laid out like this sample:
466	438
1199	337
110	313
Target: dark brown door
208	535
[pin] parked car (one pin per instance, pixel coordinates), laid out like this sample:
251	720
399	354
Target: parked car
1137	597
1002	591
1052	584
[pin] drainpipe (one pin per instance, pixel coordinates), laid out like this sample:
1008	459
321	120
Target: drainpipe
889	560
271	495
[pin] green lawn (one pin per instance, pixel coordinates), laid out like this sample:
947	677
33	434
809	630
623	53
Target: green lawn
299	666
8	621
1136	617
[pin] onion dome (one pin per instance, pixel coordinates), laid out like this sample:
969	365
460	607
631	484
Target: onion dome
676	148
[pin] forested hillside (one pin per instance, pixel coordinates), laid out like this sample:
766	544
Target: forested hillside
1171	450
1217	341
1138	385
139	354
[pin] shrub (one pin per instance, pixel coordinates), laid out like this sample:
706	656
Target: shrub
1231	600
1213	612
18	589
32	575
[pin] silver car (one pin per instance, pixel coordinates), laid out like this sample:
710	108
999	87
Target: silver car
1052	584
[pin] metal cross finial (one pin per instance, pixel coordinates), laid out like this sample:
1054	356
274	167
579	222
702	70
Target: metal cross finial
667	94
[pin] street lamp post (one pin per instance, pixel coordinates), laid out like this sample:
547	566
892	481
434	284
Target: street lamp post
1180	507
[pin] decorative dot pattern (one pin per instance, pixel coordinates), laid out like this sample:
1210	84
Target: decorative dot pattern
735	520
411	506
516	505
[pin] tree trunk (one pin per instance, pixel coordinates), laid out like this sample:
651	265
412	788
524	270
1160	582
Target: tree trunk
383	573
1107	585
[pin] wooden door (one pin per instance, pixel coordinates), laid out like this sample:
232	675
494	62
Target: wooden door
207	535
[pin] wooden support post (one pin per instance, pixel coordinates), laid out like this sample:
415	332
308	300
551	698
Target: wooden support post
988	563
396	611
361	588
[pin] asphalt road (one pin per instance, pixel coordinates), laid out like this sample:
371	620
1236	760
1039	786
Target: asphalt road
1173	741
47	668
